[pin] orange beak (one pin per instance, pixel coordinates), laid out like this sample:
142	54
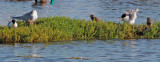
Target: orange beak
121	18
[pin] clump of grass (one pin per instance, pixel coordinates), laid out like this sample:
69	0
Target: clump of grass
64	28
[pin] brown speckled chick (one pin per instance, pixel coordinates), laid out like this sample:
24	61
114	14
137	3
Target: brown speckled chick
94	18
149	21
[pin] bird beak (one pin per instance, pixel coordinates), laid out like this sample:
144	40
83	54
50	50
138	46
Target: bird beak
121	18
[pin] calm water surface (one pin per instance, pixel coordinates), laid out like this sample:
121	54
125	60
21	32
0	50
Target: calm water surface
142	50
110	10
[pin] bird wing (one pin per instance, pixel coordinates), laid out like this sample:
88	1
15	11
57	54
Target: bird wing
128	11
97	19
19	17
128	14
27	16
132	14
135	11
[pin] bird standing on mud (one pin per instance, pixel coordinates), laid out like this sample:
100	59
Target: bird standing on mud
28	16
130	16
94	18
12	24
149	21
41	1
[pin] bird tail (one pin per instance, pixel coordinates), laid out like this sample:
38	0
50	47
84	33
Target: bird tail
16	18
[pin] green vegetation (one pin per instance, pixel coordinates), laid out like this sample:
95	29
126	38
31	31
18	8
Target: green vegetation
63	29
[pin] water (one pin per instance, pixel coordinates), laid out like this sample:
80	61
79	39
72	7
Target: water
142	50
110	10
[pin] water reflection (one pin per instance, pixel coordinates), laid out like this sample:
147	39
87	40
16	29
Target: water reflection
134	48
27	50
133	44
96	50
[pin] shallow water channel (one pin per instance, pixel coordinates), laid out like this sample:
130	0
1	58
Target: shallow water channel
110	10
142	50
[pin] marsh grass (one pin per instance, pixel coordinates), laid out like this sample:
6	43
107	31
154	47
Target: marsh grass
62	28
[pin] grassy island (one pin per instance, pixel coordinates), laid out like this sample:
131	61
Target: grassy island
64	28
